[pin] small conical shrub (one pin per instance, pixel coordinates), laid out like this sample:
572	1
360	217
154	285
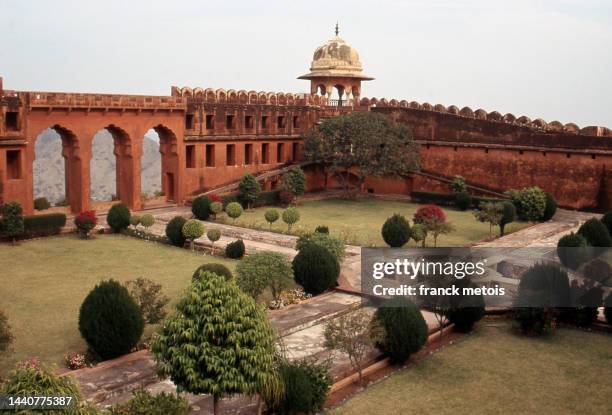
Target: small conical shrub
572	250
396	231
110	321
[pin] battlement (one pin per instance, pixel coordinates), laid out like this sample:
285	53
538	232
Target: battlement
243	97
50	100
493	116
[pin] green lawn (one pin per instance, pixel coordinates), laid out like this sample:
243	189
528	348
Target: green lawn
359	221
495	372
44	281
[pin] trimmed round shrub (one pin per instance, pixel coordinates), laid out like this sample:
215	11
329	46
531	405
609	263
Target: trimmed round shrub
216	208
550	208
235	250
234	210
174	231
530	203
291	216
200	207
322	229
118	217
608	308
110	321
12	223
306	384
606	219
315	269
334	245
396	231
41	203
34	379
465	310
147	220
135	220
543	289
595	233
572	250
403	329
193	229
213	235
215	268
271	216
463	200
145	403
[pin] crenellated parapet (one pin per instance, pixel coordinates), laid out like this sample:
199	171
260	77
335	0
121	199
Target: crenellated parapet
493	116
51	100
243	97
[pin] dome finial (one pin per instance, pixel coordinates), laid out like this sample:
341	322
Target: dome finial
337	29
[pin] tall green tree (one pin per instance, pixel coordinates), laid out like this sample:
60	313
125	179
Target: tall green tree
249	188
295	182
218	342
491	213
362	143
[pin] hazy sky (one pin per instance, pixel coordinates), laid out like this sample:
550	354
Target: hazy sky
549	59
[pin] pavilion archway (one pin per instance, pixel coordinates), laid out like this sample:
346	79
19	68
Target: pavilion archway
169	162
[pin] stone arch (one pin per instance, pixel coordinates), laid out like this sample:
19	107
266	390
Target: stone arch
198	93
480	114
71	170
211	96
221	95
403	103
383	102
453	110
494	116
414	105
440	108
170	167
466	112
281	98
394	103
523	119
538	123
252	97
509	118
555	126
232	96
262	98
271	96
186	92
243	97
427	106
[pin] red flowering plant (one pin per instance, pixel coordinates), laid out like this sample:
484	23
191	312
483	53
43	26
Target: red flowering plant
433	220
215	198
85	222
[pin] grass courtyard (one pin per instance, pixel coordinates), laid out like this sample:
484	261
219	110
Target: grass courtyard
495	371
359	222
44	281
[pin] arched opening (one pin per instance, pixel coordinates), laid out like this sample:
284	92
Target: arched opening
56	168
111	167
169	163
337	97
150	168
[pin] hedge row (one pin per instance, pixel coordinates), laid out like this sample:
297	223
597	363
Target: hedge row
447	199
268	198
41	225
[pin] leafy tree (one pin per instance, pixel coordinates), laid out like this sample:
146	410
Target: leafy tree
148	295
530	202
458	185
271	216
249	188
118	217
433	219
295	182
192	230
334	245
234	210
290	217
262	270
396	231
12	222
147	220
110	321
34	379
6	335
174	231
365	143
508	215
213	236
350	334
216	208
134	220
226	350
305	384
491	213
215	268
200	207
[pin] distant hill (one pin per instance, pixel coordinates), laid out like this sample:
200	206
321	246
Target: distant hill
49	176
